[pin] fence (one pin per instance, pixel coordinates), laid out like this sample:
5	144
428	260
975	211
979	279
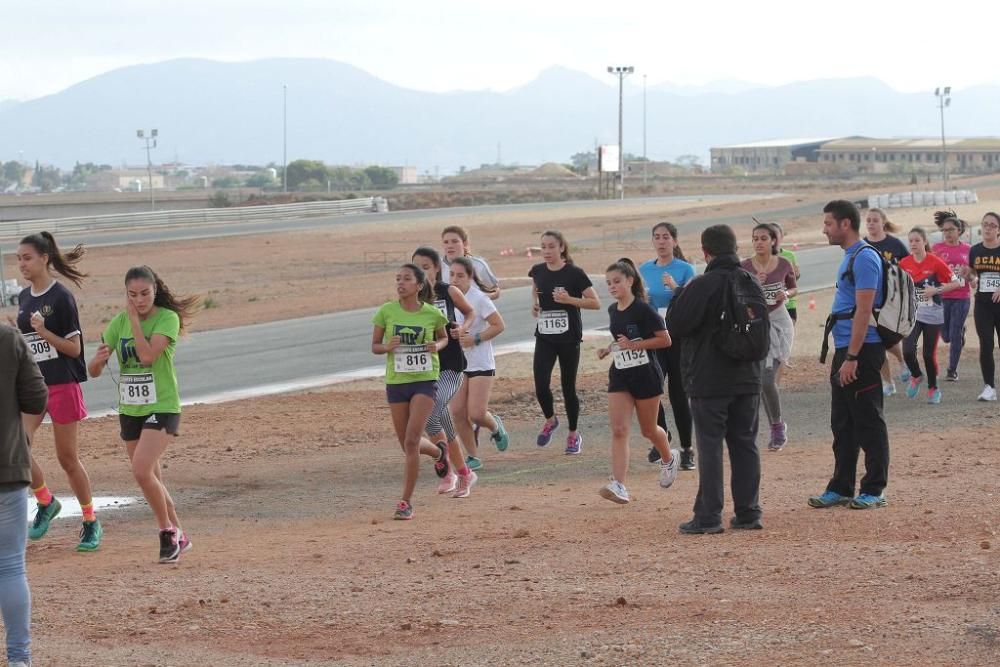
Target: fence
193	218
926	198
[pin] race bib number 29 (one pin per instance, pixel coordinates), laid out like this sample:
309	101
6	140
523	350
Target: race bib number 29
412	359
989	281
137	389
40	348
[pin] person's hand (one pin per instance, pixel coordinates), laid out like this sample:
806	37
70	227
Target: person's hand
37	322
431	347
560	295
996	296
103	353
393	343
11	321
930	291
467	340
624	343
455	332
963	272
130	308
780	296
603	352
762	277
668	281
848	373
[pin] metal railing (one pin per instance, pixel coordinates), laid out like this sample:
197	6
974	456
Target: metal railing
193	218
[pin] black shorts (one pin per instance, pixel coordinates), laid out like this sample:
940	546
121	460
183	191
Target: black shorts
641	385
480	374
794	314
132	427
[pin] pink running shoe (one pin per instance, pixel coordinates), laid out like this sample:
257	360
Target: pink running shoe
449	483
465	484
545	435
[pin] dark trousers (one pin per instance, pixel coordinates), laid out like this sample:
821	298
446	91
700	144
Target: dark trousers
953	331
987	318
857	423
931	333
546	354
670	361
733	419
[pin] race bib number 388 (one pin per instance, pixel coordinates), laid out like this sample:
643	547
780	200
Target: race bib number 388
412	359
137	389
40	348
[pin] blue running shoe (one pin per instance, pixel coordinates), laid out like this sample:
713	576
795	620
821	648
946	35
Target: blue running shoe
913	388
574	443
500	437
545	435
828	499
473	463
934	396
904	377
866	501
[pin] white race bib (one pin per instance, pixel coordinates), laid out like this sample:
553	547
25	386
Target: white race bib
139	389
989	281
412	359
771	293
553	322
663	313
41	349
442	305
922	299
628	358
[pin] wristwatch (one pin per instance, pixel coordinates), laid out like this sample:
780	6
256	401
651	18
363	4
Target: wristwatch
477	339
851	357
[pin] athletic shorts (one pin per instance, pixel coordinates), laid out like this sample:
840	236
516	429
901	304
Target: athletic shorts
132	427
793	313
66	403
402	393
481	374
639	385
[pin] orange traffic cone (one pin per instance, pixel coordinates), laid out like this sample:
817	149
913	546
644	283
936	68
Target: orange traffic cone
812	303
527	252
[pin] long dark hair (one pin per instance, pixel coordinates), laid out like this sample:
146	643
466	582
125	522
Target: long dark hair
672	230
470	268
941	217
431	254
558	236
919	231
426	291
626	267
771	233
184	306
63	263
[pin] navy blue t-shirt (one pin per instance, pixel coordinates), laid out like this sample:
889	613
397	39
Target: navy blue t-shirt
639	321
57	305
891	248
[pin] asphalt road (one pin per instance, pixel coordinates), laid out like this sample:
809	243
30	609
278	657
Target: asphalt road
311	351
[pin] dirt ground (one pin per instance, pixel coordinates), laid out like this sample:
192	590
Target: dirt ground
269	277
297	561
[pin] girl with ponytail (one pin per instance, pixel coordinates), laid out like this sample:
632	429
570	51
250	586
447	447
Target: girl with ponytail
50	322
411	332
955	254
143	338
635	381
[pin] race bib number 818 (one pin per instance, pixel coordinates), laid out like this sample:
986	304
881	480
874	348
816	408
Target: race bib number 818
137	389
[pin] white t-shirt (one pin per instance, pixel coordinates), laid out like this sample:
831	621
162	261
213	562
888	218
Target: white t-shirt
479	357
483	272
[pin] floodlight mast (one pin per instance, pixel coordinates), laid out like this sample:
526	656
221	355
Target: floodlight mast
621	72
944	100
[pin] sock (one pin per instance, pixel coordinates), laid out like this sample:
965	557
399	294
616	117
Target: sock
464	471
43	495
88	512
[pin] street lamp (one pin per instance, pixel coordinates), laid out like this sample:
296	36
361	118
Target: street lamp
943	96
645	160
621	73
284	138
150	143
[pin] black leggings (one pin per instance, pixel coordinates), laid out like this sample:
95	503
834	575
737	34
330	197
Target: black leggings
670	361
987	318
931	332
568	354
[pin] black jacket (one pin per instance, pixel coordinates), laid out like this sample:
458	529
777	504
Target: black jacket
22	389
693	315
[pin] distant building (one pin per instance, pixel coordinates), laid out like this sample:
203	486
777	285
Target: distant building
765	157
407	175
124	179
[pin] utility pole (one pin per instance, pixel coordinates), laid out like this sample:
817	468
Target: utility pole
150	143
645	160
284	138
944	100
621	72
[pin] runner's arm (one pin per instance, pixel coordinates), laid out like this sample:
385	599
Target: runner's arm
378	347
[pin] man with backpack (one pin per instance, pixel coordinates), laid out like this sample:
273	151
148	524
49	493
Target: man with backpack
856	382
722	315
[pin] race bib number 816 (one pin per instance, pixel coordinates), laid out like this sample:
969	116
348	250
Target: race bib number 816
412	359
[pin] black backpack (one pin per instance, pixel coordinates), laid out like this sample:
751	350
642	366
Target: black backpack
744	332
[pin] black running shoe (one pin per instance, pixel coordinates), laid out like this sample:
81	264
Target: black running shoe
687	459
170	548
441	465
952	376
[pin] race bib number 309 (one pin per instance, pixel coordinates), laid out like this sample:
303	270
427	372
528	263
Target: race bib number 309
137	389
412	359
40	348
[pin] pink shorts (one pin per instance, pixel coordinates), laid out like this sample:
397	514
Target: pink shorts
66	403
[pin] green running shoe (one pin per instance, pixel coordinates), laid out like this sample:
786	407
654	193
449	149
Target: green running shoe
90	536
43	517
473	463
500	437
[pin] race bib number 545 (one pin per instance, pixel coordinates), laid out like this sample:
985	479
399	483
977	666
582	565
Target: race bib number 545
989	281
412	359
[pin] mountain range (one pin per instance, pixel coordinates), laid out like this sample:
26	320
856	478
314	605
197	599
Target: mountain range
225	113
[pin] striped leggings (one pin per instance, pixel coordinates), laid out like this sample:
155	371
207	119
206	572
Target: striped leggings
440	418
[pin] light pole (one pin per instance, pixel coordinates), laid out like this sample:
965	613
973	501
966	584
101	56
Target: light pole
150	143
284	138
943	96
621	72
645	160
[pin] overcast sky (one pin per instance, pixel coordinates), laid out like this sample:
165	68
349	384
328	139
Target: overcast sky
443	45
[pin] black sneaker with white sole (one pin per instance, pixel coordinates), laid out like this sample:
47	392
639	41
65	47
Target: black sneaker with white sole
170	548
687	459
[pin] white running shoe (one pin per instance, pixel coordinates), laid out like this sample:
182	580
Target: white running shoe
989	394
668	471
448	483
615	491
463	489
889	388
